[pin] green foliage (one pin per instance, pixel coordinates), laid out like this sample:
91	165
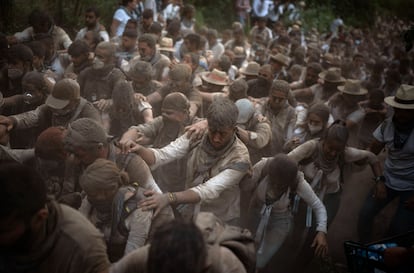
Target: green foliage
318	17
216	14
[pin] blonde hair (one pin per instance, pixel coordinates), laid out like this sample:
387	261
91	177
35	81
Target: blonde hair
104	175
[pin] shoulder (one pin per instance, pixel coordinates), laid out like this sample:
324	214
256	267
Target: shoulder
77	230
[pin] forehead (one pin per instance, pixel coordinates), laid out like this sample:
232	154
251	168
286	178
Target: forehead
278	94
90	14
222	130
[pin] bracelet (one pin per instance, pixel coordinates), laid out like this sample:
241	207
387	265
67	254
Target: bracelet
172	197
379	178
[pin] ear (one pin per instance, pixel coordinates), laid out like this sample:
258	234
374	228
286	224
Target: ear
40	218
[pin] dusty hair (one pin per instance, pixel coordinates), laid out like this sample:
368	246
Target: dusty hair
104	175
222	114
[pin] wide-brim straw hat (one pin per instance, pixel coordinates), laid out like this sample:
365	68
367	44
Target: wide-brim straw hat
332	75
353	87
283	59
166	44
252	69
216	77
403	99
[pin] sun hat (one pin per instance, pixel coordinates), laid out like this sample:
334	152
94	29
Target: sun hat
216	77
252	69
64	91
353	87
332	75
166	44
279	57
403	99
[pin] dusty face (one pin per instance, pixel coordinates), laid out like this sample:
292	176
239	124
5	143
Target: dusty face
277	100
332	148
145	51
220	137
128	43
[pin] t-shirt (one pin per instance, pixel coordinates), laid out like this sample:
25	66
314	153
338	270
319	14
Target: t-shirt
123	16
399	164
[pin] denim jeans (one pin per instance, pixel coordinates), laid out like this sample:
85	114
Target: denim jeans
403	220
278	228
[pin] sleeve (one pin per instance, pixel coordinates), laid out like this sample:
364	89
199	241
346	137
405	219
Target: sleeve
135	261
305	191
119	15
139	171
139	223
379	132
213	187
25	35
104	35
143	105
28	119
303	151
354	154
356	116
250	182
64	38
149	129
264	133
175	150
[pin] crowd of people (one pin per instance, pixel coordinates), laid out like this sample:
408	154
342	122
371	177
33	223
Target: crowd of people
149	146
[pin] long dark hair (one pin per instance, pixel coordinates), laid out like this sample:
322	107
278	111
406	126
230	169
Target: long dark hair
337	132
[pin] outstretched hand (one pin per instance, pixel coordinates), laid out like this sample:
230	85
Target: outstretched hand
197	130
320	244
154	201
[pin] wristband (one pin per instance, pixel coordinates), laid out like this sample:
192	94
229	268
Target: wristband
172	197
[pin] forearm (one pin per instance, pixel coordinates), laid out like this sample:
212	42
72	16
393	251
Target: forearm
131	134
185	197
146	154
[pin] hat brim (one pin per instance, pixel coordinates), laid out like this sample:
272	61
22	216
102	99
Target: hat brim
361	91
391	102
278	60
244	72
166	49
204	76
323	74
55	103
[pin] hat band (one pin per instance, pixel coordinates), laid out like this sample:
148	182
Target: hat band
215	77
403	101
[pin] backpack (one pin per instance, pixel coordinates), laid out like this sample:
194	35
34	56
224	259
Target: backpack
238	240
241	243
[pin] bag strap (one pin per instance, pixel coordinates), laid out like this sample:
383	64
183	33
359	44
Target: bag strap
79	109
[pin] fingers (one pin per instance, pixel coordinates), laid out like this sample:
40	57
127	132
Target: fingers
149	193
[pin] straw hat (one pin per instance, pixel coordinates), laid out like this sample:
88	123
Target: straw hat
252	69
332	75
403	99
166	44
332	59
353	87
283	59
216	77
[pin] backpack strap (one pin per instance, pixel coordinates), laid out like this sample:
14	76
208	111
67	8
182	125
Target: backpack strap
78	110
